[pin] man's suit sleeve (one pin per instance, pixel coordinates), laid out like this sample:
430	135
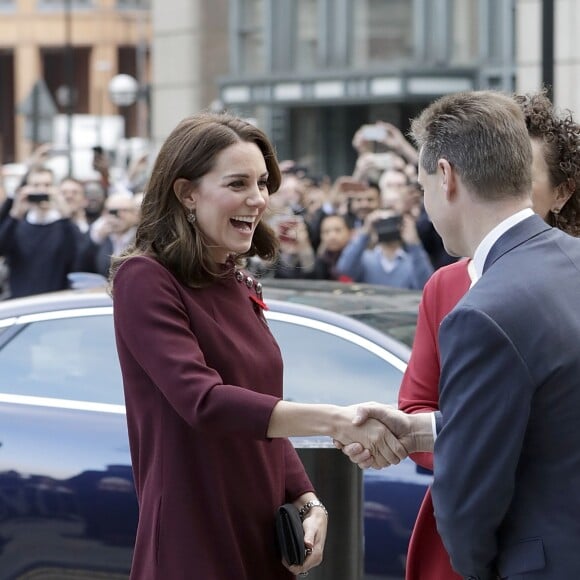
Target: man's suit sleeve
485	398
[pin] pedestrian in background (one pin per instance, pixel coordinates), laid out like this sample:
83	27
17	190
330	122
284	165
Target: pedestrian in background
37	236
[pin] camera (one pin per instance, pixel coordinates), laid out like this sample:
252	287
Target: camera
37	197
114	212
388	229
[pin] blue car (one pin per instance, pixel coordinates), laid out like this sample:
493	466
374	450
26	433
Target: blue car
67	503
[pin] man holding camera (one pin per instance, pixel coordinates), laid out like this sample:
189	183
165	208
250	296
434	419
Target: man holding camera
37	237
386	251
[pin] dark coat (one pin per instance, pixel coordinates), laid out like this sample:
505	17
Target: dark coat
507	458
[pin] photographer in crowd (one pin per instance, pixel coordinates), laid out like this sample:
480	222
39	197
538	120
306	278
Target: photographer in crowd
387	250
37	237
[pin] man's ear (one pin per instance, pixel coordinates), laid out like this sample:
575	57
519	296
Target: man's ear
185	192
448	178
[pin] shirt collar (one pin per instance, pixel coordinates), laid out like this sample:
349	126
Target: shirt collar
35	217
493	236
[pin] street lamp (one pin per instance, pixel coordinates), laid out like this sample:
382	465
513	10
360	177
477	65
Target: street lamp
123	90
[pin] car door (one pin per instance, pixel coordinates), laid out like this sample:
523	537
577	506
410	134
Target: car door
334	360
66	494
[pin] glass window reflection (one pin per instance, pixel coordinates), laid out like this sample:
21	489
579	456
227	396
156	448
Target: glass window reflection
70	358
307	34
322	368
465	48
251	36
383	30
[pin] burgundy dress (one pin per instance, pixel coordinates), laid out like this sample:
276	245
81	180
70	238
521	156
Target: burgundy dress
201	374
427	558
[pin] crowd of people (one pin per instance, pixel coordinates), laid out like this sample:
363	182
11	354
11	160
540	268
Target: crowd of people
368	225
52	229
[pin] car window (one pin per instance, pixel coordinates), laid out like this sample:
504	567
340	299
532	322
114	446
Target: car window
67	358
75	359
320	367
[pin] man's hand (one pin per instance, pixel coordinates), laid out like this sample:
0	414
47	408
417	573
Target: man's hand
382	447
21	205
414	432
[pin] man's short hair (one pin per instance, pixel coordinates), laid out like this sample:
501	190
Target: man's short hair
483	135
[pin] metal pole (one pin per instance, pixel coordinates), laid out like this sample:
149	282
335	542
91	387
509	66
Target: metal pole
548	46
141	65
35	115
69	82
340	484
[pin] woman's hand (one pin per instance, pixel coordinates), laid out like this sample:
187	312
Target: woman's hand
315	525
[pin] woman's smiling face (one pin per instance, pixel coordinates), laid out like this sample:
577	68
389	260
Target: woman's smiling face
230	200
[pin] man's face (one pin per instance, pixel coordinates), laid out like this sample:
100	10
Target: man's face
39	189
95	195
392	184
40	181
74	194
364	202
437	208
431	197
122	213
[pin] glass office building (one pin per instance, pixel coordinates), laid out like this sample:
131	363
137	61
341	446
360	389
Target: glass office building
312	71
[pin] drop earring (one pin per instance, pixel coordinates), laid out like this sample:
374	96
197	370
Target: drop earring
191	217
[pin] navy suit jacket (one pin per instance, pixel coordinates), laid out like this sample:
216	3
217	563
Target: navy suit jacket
507	458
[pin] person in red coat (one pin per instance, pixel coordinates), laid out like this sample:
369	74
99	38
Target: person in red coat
555	196
426	557
202	373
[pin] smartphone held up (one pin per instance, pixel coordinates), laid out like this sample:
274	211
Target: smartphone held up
37	197
374	133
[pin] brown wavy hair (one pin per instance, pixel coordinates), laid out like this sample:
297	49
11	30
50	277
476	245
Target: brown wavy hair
164	233
560	135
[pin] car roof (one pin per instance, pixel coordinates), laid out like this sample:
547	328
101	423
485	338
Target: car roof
390	311
53	301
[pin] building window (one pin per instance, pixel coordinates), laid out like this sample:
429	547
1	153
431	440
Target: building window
133	4
62	4
466	26
501	31
307	31
251	36
383	31
7	4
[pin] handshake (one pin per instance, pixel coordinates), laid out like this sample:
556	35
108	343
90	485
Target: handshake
379	435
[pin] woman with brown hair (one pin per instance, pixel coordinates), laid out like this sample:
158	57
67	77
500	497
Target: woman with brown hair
203	374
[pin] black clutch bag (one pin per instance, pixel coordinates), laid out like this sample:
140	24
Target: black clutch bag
290	534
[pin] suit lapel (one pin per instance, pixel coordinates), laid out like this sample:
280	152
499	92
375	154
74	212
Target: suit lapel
520	233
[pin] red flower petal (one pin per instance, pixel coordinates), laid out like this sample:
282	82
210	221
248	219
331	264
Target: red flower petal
259	302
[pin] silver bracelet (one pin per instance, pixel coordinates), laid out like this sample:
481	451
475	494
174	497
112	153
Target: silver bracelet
303	511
